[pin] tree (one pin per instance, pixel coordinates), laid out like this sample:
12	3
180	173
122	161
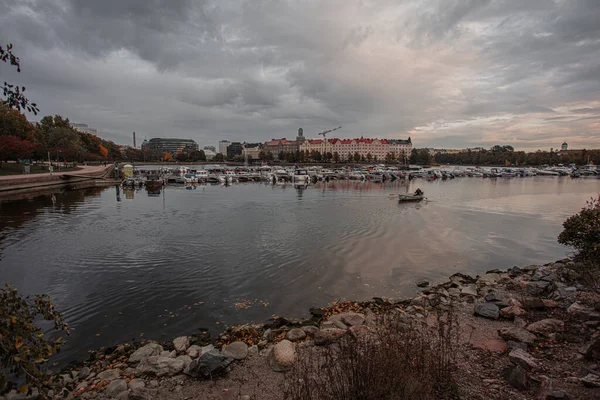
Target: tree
24	348
414	156
369	157
167	157
103	151
328	156
14	96
219	157
316	155
356	157
336	157
281	156
13	148
582	232
181	157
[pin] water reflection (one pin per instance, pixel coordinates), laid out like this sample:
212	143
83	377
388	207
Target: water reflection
123	265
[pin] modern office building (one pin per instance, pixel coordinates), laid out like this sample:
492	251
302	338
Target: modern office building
170	145
223	144
234	149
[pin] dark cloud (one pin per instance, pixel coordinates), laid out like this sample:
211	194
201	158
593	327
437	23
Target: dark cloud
450	73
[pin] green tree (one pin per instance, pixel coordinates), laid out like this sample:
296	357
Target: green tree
356	157
414	156
328	156
219	157
336	157
14	96
181	157
582	232
24	346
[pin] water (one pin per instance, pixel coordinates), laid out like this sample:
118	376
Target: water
158	267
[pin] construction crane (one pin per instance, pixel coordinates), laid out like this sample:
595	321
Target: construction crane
324	133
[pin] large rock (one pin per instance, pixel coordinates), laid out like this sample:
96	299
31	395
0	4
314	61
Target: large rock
310	330
488	279
151	349
591	350
116	387
517	335
337	322
236	350
327	336
546	326
487	310
516	376
295	335
522	358
136	383
109	375
282	356
591	380
353	319
193	351
181	344
470	290
186	360
208	364
534	288
578	310
160	366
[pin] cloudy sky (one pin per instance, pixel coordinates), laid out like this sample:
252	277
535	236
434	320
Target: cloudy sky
448	73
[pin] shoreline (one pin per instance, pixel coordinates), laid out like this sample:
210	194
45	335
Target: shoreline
523	319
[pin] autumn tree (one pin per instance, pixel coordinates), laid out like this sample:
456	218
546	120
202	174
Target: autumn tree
14	96
167	157
14	148
182	157
103	151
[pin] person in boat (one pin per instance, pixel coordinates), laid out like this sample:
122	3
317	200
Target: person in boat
418	192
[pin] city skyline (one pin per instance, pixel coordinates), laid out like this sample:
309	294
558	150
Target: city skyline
449	74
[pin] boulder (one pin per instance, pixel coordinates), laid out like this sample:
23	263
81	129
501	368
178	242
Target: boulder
522	358
470	290
546	326
517	335
327	336
136	384
109	375
151	349
208	364
186	360
295	335
310	330
170	354
488	279
516	376
116	387
591	350
181	344
236	350
487	310
337	322
268	335
578	310
193	351
550	304
492	296
282	356
252	351
534	288
160	366
359	331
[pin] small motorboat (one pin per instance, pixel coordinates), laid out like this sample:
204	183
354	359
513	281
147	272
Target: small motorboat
404	198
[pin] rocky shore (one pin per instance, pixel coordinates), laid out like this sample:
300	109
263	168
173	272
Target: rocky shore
528	332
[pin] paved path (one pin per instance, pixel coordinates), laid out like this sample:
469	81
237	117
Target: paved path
85	170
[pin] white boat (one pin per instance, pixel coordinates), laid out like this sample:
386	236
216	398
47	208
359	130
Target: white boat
202	175
547	172
300	175
190	178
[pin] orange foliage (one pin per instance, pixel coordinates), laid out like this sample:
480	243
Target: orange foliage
103	150
167	157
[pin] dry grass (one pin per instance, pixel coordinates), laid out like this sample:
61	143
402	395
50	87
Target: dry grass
397	361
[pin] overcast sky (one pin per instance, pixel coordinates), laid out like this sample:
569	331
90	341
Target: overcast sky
448	73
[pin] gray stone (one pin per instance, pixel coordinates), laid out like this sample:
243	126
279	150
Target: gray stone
470	290
492	296
123	395
139	394
208	364
262	344
160	366
82	384
579	311
151	349
181	344
487	310
153	383
116	387
282	356
193	351
236	350
336	320
84	373
522	358
422	283
517	334
170	354
353	319
109	374
558	395
488	279
268	335
516	345
546	326
310	330
295	335
512	311
327	336
66	379
186	359
591	380
517	377
329	325
252	351
591	350
136	384
206	349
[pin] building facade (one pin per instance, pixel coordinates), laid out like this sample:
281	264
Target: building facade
84	128
211	148
223	144
252	150
276	146
234	149
170	145
347	148
210	154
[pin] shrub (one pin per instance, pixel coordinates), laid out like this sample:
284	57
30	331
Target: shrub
582	232
396	362
24	347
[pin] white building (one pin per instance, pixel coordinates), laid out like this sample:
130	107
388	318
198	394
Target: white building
210	155
223	145
346	148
